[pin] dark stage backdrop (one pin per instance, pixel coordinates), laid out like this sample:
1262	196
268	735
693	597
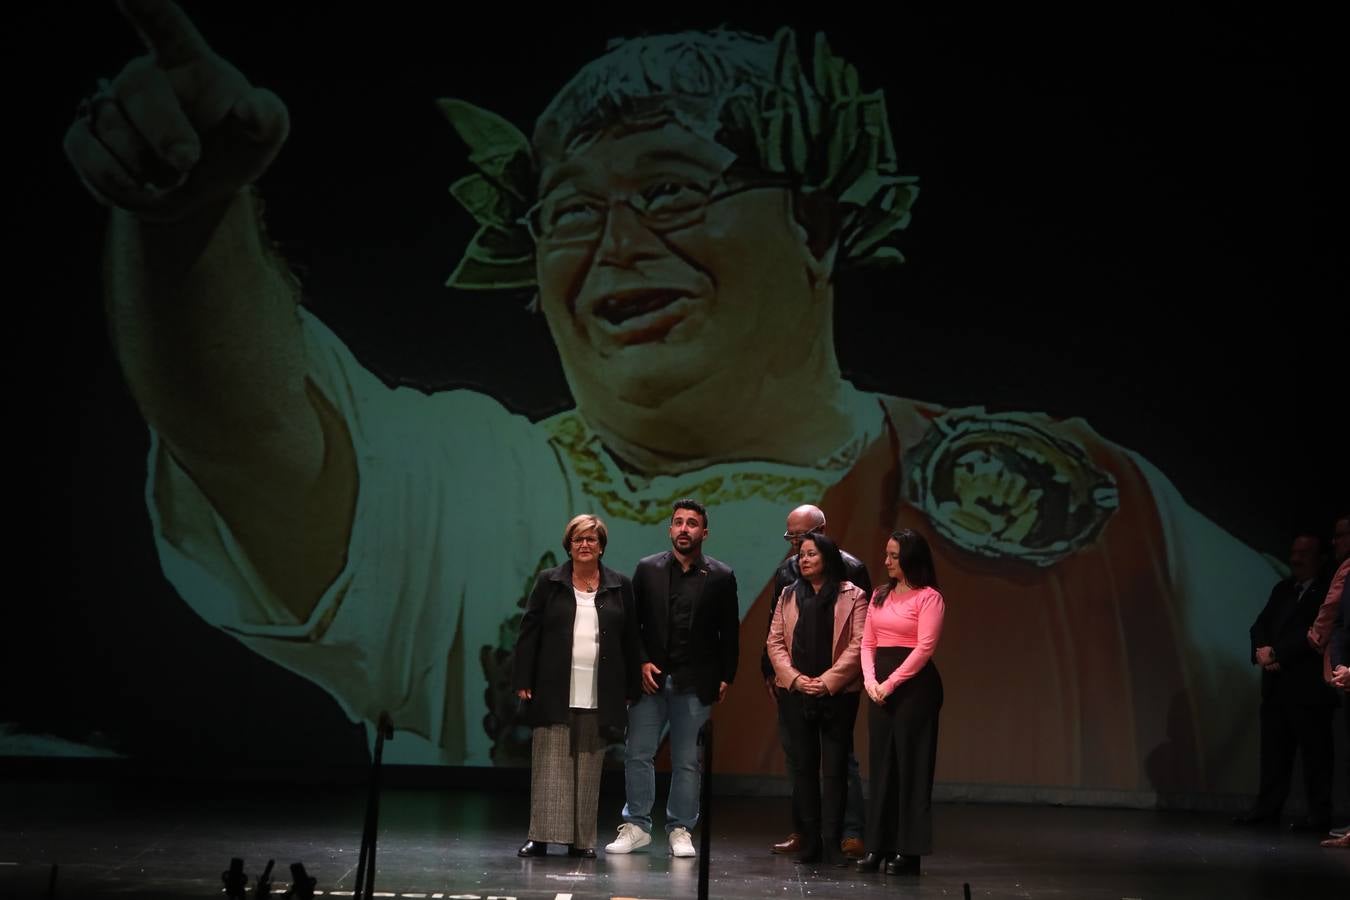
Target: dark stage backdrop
1105	383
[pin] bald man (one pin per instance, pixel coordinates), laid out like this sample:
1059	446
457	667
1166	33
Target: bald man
803	521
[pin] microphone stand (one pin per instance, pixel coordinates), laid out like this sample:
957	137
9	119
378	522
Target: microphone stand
365	866
705	737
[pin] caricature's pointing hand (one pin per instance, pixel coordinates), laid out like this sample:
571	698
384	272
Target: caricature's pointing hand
179	130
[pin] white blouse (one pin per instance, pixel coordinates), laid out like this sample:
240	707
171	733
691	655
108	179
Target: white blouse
585	653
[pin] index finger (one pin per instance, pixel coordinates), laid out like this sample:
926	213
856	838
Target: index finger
166	31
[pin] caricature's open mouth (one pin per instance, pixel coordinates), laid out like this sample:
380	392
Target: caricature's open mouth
625	305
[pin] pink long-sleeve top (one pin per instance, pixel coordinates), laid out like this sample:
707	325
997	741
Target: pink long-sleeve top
910	621
1326	613
1320	631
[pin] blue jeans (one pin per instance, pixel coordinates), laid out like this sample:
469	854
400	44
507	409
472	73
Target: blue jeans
647	719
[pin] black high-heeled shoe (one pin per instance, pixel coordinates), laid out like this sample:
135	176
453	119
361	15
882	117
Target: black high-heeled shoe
903	865
871	861
580	852
533	848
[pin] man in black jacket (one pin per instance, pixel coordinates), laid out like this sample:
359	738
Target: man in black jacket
1296	704
803	521
689	617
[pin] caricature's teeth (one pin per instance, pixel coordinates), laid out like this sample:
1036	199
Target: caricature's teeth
619	309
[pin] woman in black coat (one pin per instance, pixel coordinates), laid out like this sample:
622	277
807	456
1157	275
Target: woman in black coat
575	671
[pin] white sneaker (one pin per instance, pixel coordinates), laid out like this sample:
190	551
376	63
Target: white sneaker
630	838
681	844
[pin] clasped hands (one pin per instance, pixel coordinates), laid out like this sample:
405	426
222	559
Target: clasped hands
1340	677
812	687
1265	658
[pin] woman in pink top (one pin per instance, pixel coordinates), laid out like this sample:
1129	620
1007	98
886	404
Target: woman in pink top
902	629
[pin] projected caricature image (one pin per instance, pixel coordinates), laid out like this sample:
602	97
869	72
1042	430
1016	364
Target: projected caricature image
684	215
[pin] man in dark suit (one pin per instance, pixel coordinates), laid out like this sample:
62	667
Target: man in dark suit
689	618
802	521
1296	704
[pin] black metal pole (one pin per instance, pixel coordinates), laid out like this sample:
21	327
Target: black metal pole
705	802
365	865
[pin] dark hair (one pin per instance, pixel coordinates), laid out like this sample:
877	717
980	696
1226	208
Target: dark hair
832	561
916	562
1314	534
689	503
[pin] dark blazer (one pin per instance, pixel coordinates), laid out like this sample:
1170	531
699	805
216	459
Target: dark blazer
850	614
714	640
788	572
1283	624
543	656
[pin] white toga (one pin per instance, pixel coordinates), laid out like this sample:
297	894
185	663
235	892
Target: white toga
458	502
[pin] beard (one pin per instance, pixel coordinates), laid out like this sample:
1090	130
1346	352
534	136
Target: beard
686	545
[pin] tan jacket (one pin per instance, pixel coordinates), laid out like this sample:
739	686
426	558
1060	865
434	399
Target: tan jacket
850	612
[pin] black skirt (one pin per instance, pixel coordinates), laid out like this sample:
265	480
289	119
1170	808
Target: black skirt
902	746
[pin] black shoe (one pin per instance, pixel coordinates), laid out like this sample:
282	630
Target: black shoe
834	856
1257	818
1317	826
580	853
811	851
533	848
903	865
871	862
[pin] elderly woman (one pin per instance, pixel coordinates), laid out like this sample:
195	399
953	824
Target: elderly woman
575	671
814	645
901	633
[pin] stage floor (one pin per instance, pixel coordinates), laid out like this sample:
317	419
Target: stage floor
176	840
